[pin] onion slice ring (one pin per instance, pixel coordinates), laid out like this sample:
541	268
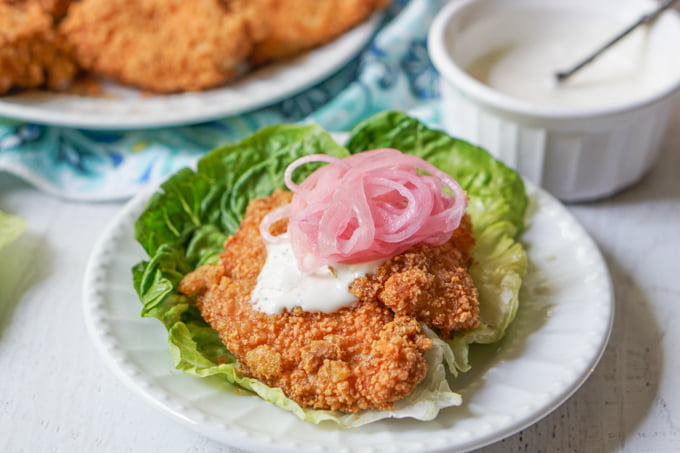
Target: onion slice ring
369	206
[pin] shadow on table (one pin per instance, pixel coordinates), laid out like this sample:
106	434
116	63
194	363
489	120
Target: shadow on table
607	409
23	263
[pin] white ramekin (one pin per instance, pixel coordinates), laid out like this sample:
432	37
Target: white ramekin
576	154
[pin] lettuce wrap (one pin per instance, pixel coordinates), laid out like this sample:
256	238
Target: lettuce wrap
185	224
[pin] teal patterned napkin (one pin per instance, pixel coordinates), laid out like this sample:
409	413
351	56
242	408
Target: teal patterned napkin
393	72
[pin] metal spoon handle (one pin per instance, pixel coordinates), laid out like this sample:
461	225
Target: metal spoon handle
649	17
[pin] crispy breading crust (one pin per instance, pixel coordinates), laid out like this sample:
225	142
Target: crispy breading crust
55	8
429	283
359	357
298	25
32	55
163	46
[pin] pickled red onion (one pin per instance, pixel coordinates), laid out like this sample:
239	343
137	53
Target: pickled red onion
369	206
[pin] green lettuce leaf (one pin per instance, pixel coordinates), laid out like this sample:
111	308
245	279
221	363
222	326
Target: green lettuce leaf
186	223
10	227
218	192
496	192
497	206
430	396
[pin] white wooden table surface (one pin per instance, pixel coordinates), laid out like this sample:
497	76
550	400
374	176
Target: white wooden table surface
56	395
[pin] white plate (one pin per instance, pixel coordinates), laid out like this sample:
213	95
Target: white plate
559	334
130	109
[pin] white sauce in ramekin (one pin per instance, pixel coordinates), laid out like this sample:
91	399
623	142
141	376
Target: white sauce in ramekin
524	65
281	285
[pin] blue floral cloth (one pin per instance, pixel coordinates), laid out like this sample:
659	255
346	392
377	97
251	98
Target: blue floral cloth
393	72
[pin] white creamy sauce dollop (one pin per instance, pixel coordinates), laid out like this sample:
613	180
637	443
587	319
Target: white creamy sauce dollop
525	67
281	285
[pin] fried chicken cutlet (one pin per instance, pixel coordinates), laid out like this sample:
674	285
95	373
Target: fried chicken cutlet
32	54
363	356
294	26
163	46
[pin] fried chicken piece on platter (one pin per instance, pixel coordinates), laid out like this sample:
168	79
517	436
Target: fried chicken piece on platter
163	46
363	356
32	55
429	283
298	25
356	358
